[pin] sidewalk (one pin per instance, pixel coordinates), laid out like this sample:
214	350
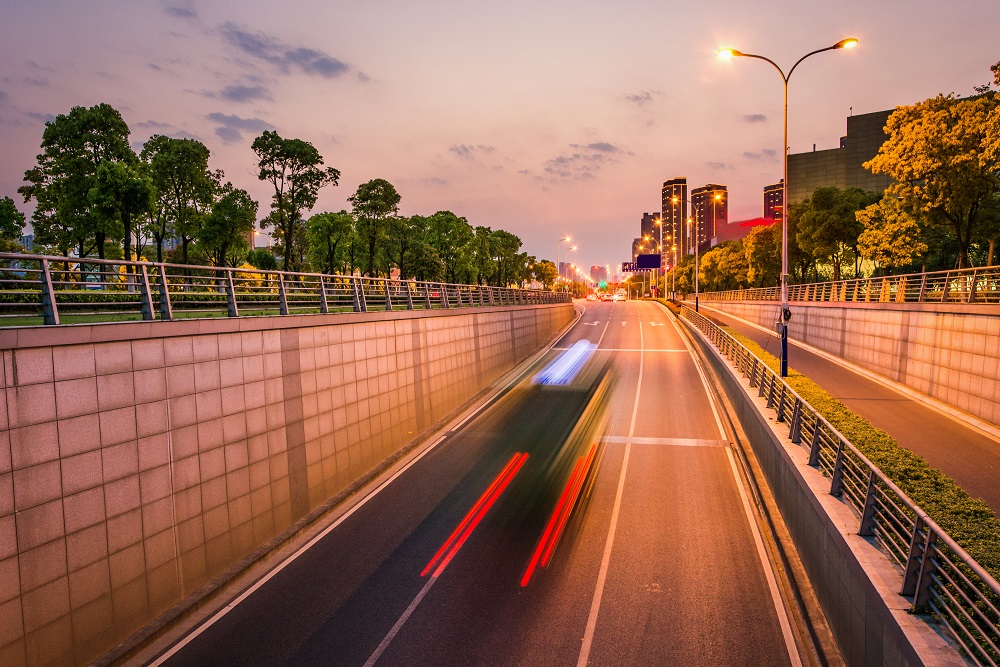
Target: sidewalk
966	454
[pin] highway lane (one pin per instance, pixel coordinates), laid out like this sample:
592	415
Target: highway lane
659	565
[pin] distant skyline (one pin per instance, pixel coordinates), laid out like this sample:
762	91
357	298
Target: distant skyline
544	118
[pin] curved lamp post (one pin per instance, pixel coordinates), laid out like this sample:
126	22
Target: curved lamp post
697	243
785	313
565	239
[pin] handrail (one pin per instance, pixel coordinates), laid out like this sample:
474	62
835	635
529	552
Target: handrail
939	576
975	285
33	286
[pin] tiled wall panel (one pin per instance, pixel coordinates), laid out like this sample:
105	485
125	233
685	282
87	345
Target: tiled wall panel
133	471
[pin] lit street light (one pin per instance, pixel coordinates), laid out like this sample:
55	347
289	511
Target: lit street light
785	313
565	239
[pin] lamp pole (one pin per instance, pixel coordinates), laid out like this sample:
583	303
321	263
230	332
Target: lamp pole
786	314
565	239
692	222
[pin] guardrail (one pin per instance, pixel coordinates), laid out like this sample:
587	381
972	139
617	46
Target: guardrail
977	285
47	287
938	576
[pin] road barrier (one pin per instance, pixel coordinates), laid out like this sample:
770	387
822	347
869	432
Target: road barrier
48	287
977	285
938	576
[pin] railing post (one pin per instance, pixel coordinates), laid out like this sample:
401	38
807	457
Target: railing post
409	297
166	308
360	305
458	292
972	288
145	294
324	306
232	309
492	303
923	288
781	404
837	478
795	429
867	528
427	295
916	576
282	296
445	303
388	298
50	311
814	445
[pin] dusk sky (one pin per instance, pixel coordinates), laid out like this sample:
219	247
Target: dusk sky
541	117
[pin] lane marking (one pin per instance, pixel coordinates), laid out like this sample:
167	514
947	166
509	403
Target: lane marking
399	624
772	584
288	561
590	324
673	442
595	605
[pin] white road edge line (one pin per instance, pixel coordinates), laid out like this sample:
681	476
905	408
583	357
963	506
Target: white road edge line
704	380
288	561
595	605
772	584
399	624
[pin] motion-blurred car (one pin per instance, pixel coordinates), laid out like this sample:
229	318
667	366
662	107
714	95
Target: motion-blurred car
591	297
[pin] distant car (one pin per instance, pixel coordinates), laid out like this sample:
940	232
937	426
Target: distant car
607	297
591	297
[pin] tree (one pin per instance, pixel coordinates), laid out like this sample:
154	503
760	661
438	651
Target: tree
263	259
450	235
762	247
11	220
724	267
424	263
403	234
942	155
185	188
481	262
504	248
122	193
224	235
546	273
294	168
329	235
374	203
828	228
891	236
73	147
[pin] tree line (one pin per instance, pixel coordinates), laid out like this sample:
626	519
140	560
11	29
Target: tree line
941	211
95	196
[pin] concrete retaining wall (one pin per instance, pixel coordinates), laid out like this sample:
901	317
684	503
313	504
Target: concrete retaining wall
856	585
138	460
947	351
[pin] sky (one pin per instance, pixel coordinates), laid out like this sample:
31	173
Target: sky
545	118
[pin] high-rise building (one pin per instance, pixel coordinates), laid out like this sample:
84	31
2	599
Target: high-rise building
710	210
598	274
773	208
636	244
649	231
674	213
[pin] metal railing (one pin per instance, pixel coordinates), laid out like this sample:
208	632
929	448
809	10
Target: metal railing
977	285
938	576
47	288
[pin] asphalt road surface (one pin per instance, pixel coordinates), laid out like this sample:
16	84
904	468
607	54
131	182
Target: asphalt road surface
962	452
659	564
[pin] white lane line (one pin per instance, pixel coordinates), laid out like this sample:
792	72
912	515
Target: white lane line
672	442
399	624
288	561
772	584
602	575
603	332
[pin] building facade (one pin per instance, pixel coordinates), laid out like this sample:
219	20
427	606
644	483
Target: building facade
674	213
599	274
841	167
773	205
710	211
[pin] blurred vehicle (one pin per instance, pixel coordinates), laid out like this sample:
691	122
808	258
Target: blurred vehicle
591	297
607	297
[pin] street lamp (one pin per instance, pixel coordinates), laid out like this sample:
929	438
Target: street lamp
786	314
691	223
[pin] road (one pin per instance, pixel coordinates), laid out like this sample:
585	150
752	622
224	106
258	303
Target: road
964	453
660	564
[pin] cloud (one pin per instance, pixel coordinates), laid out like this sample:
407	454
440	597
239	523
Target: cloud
642	97
152	125
583	163
719	166
764	155
181	10
755	118
269	49
38	81
468	151
41	117
3	98
231	127
245	93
